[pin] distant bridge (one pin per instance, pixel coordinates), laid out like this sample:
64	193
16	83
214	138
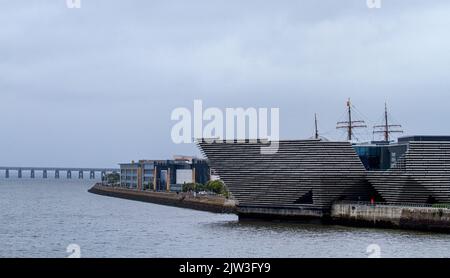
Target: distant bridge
56	170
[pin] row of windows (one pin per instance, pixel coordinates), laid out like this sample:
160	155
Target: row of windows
128	172
134	173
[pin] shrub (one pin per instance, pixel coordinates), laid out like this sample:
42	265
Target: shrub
217	187
193	187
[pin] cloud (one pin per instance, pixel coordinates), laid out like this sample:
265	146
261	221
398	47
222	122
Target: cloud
138	60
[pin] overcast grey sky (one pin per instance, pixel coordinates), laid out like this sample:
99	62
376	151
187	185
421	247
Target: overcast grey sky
96	86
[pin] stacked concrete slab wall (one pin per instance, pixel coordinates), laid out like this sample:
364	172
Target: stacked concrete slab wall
303	174
421	176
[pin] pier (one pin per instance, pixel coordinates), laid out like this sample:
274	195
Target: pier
216	204
93	172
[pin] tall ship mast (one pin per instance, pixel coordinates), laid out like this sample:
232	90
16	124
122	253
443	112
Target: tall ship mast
316	129
350	125
387	128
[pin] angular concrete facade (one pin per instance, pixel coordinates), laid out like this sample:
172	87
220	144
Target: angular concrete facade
304	177
422	175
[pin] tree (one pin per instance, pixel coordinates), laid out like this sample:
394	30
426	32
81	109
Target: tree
148	185
217	186
112	178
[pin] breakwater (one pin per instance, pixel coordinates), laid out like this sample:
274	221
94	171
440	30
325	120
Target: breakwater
216	204
405	216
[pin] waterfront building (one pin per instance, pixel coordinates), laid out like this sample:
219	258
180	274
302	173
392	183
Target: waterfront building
305	177
420	174
129	174
164	175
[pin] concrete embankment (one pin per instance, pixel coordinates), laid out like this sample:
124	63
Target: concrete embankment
349	214
215	204
392	216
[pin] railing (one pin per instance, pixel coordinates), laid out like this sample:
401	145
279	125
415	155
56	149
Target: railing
387	204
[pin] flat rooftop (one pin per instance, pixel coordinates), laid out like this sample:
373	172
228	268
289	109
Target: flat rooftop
429	138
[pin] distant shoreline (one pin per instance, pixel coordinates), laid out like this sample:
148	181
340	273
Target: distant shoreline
215	204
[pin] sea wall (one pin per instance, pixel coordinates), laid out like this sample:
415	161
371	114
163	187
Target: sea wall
215	204
349	214
299	214
391	216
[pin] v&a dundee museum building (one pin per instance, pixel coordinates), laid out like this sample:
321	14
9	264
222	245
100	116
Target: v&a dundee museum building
305	177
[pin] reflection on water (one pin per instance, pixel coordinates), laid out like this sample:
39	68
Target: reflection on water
40	218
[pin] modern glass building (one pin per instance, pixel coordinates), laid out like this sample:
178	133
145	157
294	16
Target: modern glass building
380	155
164	175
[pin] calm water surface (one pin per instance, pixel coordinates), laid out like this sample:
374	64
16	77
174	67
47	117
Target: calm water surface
40	218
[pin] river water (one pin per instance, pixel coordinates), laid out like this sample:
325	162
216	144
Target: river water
41	218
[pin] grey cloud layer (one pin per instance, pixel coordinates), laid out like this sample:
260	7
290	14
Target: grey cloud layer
123	66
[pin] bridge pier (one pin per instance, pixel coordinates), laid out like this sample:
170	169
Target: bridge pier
103	172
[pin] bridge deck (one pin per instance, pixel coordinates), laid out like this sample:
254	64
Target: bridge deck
59	169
